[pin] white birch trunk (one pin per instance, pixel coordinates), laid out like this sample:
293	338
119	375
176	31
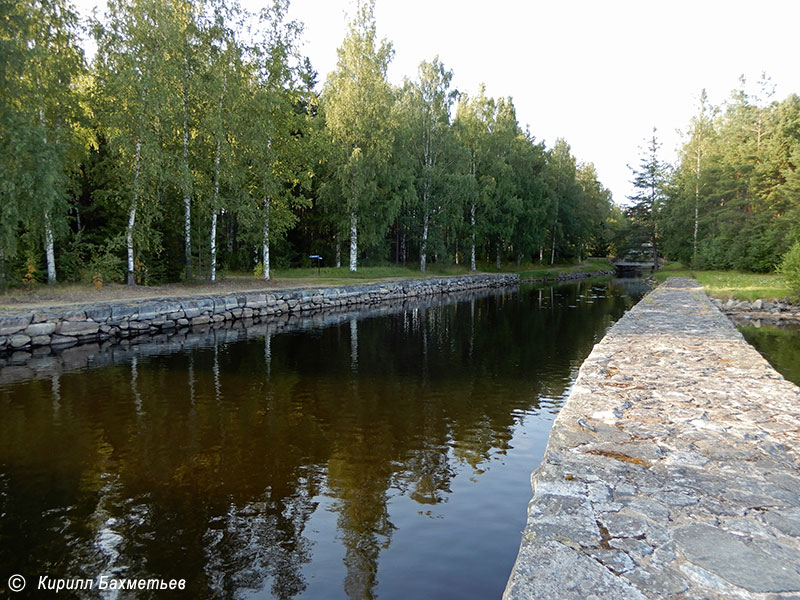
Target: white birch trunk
49	248
48	227
497	247
338	252
265	249
472	266
132	213
187	186
423	247
213	239
213	235
696	209
353	240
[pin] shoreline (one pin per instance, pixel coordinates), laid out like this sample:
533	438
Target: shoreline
57	327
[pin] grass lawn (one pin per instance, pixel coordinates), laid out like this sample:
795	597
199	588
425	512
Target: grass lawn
343	276
731	284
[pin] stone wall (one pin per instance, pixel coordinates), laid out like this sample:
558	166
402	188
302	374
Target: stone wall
758	312
673	469
65	326
45	363
571	276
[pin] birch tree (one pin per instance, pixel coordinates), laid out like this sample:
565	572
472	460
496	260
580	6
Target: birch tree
473	118
427	105
131	102
221	117
40	119
275	145
357	103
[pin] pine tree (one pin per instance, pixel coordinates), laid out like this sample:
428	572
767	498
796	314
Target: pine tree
649	180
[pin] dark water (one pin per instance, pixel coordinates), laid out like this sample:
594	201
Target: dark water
387	456
780	346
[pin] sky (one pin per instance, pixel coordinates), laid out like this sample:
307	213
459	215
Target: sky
599	73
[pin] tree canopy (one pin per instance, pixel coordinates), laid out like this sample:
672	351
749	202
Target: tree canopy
197	140
732	201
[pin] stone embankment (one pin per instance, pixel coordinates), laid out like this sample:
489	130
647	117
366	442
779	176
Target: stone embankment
672	471
65	326
571	276
769	312
43	363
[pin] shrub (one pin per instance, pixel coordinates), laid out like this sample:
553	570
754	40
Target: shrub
790	269
104	268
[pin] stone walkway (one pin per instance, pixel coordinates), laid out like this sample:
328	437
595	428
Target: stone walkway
673	470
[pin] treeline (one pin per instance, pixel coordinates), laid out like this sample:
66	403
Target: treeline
733	199
196	141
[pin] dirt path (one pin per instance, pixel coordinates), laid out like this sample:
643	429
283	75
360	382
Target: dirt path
61	295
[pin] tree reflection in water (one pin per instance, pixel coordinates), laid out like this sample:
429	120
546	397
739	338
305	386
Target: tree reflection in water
208	465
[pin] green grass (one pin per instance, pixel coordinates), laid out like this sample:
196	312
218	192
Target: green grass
342	275
731	284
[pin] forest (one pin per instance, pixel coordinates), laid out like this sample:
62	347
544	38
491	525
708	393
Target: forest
732	200
198	141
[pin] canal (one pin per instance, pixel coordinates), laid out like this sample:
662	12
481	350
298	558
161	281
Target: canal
376	456
779	345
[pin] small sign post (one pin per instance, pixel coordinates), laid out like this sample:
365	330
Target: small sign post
318	258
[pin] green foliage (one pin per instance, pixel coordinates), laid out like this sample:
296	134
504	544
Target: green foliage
105	267
790	269
196	138
731	284
733	200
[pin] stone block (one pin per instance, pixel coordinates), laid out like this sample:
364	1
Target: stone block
147	312
19	341
40	340
191	309
256	301
75	328
74	315
14	324
205	304
120	312
63	340
36	329
99	313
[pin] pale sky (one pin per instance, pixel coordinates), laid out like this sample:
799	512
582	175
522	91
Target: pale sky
599	73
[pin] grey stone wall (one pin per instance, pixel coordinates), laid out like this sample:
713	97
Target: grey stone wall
47	363
63	327
571	276
673	469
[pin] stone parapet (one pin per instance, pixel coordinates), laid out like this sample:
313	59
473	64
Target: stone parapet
65	326
673	469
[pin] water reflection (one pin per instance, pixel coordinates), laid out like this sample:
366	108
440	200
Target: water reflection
779	345
222	463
